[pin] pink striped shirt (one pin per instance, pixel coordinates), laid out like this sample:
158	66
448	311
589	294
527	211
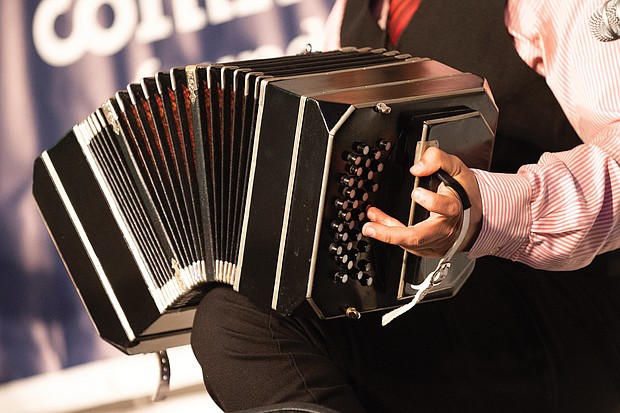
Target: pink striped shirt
560	213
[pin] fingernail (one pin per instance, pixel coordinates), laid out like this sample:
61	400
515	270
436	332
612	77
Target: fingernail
416	168
417	195
368	231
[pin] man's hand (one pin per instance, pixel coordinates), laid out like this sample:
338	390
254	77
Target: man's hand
434	236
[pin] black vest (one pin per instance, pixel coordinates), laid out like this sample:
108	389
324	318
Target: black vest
470	36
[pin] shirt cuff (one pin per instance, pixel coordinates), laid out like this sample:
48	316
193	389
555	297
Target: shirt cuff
506	219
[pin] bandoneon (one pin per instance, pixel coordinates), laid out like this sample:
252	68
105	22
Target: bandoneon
255	174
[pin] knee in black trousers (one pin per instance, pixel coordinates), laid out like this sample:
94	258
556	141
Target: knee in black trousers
513	340
254	357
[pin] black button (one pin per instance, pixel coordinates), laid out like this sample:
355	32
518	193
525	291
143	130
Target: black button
364	265
341	277
361	148
338	226
353	159
385	145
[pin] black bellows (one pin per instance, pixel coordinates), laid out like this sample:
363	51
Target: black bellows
255	174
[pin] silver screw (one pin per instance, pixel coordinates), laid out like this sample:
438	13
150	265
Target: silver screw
383	108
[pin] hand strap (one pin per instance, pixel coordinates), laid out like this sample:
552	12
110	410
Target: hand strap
440	272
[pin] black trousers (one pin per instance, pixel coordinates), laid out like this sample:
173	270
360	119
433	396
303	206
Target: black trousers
513	340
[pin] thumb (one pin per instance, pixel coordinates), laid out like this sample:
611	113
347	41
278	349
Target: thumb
433	159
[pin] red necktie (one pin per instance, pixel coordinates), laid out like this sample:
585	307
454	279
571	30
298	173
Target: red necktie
401	12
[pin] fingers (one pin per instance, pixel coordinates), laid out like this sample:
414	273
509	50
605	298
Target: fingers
380	217
443	202
383	227
401	236
427	238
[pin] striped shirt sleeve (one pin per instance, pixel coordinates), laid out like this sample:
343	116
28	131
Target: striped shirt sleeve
561	212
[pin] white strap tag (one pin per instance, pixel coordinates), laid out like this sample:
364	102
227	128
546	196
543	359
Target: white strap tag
435	276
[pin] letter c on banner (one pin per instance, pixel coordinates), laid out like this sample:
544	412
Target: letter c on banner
87	34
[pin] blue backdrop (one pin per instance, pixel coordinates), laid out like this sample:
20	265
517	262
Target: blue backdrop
59	60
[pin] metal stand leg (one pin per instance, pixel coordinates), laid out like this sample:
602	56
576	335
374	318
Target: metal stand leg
163	385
